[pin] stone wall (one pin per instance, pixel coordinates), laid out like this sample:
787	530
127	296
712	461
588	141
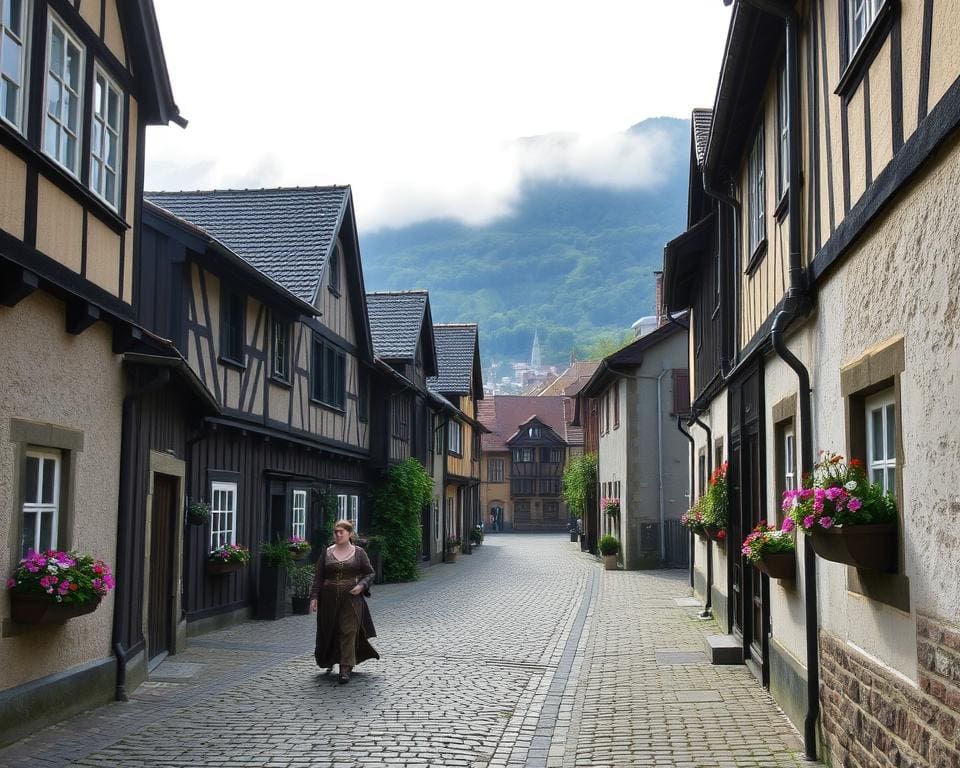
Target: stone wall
874	718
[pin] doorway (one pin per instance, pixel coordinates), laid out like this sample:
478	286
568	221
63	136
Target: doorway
163	527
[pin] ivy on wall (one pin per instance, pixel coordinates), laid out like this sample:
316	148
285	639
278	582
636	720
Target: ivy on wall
398	504
579	481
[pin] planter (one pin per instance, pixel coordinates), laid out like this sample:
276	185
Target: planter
271	592
610	562
452	555
301	605
713	533
574	535
702	535
782	565
299	555
196	519
219	569
872	547
38	609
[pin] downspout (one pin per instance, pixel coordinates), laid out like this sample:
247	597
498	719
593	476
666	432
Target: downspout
443	487
692	480
707	608
663	535
125	509
793	307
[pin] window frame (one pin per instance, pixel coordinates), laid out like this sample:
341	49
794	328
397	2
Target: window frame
756	197
109	83
783	134
216	530
40	507
53	20
334	262
322	353
495	470
231	301
455	440
298	513
280	341
872	10
19	125
883	402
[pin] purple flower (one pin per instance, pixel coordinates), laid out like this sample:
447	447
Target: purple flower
788	525
826	522
808	521
833	493
854	504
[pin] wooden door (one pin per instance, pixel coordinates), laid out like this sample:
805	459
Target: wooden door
163	527
735	493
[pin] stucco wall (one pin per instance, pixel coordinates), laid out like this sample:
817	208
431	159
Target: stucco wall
73	382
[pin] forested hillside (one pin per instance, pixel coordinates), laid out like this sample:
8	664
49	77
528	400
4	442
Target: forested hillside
574	261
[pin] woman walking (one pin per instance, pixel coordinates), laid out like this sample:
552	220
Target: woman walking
344	626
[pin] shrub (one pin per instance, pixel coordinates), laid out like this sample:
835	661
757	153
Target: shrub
453	543
398	504
64	577
609	545
276	553
579	480
476	535
715	502
328	510
300	580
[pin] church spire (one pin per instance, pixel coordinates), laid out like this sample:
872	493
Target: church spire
535	362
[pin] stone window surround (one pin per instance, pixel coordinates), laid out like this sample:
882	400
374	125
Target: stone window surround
877	369
784	414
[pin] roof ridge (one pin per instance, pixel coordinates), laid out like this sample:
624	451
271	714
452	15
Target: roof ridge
456	325
417	291
236	190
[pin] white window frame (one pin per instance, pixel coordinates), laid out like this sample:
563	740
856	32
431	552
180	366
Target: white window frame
789	458
98	159
437	531
783	132
298	514
223	517
756	187
885	465
40	507
8	37
354	512
280	365
867	11
75	131
455	443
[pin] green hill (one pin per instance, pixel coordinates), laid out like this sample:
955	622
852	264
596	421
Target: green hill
574	261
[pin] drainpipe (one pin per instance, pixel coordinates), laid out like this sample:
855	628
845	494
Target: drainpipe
443	488
692	481
707	612
126	505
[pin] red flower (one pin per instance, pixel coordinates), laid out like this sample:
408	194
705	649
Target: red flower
721	535
856	463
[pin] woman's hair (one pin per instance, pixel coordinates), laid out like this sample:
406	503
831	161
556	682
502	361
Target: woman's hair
347	526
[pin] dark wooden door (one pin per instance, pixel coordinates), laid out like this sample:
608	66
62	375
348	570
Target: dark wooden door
735	492
752	514
163	524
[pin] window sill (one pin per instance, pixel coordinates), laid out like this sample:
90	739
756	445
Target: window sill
229	362
334	291
281	382
869	47
780	212
455	454
335	408
758	253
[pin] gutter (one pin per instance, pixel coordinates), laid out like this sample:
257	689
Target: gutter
707	611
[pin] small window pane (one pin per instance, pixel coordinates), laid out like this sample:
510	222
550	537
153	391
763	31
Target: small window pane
31	493
56	51
877	476
13	16
891	480
113	109
53	96
876	418
46	531
71	153
891	432
8	100
110	185
49	475
29	538
12	52
72	73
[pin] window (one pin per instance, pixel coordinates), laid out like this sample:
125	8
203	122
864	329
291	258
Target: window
681	391
616	405
280	367
789	458
523	455
299	516
881	420
606	411
783	132
400	405
223	514
436	520
64	97
105	139
523	487
495	470
475	454
860	15
534	432
756	201
334	267
438	433
551	455
455	444
13	60
551	511
521	511
702	472
41	501
550	487
233	310
329	371
348	508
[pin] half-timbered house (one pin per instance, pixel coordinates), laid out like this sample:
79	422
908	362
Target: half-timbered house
821	269
79	83
266	303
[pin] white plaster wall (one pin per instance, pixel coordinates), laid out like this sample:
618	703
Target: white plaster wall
714	417
613	466
74	382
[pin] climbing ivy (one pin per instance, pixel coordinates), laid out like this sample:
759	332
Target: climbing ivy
398	504
328	513
579	481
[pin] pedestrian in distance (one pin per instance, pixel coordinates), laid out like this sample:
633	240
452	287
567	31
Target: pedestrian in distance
341	579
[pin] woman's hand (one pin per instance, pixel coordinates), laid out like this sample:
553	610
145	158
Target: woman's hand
313	605
357	590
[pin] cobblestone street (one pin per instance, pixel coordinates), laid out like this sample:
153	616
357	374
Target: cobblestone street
526	653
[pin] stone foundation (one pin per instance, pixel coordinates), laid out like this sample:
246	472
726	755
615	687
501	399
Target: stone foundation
873	719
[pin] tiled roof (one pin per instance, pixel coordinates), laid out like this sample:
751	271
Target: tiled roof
396	320
571	380
285	233
702	120
503	414
456	348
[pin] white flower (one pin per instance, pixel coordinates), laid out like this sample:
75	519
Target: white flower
850	485
52	568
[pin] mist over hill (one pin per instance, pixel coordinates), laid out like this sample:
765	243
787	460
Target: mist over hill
574	260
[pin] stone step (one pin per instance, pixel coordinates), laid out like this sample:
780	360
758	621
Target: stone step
724	649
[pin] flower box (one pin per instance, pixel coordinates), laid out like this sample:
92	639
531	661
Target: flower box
299	554
452	555
872	547
26	608
716	533
778	565
219	569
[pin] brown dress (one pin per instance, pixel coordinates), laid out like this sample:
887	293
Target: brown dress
341	615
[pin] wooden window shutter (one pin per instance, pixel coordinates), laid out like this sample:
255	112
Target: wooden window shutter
681	391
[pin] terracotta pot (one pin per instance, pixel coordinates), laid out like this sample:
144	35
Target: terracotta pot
872	547
219	569
39	609
781	565
610	562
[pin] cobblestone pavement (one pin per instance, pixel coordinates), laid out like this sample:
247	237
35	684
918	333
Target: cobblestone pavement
525	653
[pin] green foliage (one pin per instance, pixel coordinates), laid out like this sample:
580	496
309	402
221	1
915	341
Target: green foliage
609	545
300	579
276	553
328	509
398	503
476	536
579	481
715	504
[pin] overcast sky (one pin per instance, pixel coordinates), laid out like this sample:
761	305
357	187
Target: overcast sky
422	105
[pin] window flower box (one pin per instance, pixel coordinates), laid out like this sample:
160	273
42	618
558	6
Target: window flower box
28	608
55	586
715	533
299	547
781	565
227	558
772	550
872	547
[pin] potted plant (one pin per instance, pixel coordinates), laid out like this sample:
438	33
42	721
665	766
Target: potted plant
610	506
56	586
300	578
453	547
198	512
299	547
476	536
693	519
609	548
276	558
849	519
772	550
715	509
227	558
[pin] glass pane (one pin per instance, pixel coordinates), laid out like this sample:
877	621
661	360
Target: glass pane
50	134
70	159
98	103
96	139
95	171
72	77
28	539
113	109
56	52
49	474
876	475
11	14
53	96
110	147
9	94
891	432
110	188
891	479
876	425
31	494
12	52
70	117
47	537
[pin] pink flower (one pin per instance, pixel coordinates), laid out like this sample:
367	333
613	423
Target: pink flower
11	583
788	525
808	521
854	504
826	522
833	493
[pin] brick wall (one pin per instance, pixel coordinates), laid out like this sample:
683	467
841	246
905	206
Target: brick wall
873	719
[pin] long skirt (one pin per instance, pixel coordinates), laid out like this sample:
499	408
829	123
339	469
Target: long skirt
344	627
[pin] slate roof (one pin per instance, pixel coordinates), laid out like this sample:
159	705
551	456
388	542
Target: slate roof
456	349
286	233
503	415
396	319
571	380
702	119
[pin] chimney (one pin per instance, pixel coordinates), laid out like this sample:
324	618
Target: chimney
660	310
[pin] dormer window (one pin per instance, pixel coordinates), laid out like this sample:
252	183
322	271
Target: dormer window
334	269
64	97
13	26
105	139
534	432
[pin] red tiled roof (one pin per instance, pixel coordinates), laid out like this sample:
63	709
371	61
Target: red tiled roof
503	414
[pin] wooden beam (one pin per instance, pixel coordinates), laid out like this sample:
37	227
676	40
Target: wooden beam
80	316
16	283
124	337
